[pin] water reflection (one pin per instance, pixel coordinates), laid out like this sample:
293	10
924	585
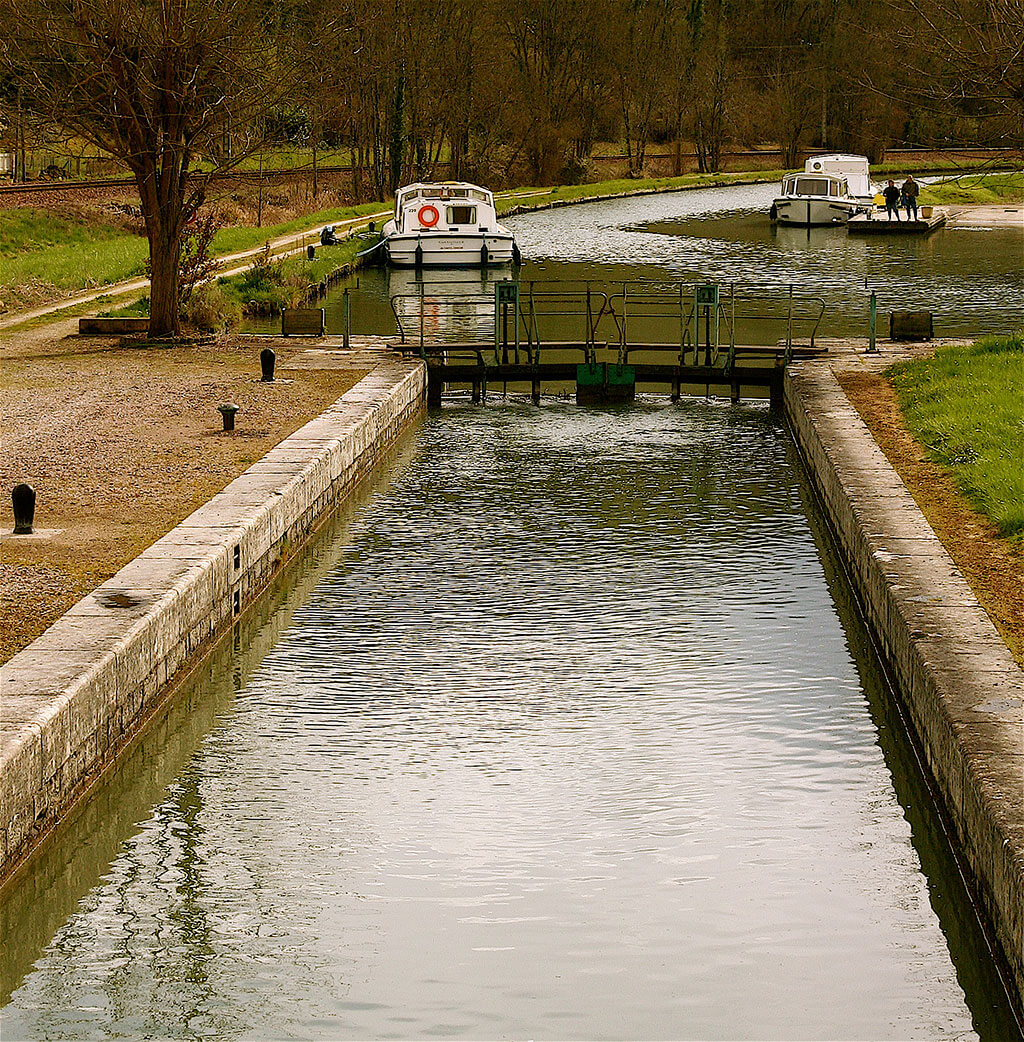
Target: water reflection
972	280
566	740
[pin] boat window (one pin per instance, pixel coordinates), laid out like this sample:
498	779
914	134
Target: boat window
812	186
461	215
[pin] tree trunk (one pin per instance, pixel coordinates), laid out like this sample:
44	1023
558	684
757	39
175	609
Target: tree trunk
164	251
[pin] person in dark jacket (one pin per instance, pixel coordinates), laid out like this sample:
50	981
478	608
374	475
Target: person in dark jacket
891	195
909	190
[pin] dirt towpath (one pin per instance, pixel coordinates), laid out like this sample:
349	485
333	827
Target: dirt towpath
121	443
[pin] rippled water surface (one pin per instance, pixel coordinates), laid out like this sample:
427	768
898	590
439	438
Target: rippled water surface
972	279
567	733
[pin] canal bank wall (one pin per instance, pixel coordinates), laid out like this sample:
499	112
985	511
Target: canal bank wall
74	697
957	680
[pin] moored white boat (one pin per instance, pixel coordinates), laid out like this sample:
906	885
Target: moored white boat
447	224
830	190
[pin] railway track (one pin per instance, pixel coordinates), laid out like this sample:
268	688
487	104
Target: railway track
239	176
768	157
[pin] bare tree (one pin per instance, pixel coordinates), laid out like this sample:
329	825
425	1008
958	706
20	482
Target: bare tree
156	83
965	58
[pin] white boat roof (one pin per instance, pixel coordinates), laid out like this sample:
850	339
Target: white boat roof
836	157
440	186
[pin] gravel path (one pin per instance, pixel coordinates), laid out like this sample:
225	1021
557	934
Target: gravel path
121	443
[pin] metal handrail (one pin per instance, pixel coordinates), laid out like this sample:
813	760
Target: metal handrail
635	301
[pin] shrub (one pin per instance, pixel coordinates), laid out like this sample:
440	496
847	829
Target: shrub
209	307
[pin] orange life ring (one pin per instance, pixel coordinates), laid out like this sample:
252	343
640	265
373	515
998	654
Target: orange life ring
423	218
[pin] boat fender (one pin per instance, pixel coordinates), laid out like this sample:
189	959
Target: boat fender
517	257
773	213
428	216
419	255
484	255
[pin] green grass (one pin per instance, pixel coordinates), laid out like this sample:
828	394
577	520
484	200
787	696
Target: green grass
23	230
966	406
267	292
234	240
618	186
42	248
135	309
977	189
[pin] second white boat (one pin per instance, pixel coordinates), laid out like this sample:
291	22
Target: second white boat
830	190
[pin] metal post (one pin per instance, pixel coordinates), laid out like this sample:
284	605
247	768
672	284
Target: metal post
707	335
586	337
422	351
682	329
789	327
504	333
624	339
872	345
734	380
347	313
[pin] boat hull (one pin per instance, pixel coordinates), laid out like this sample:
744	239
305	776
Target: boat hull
449	250
807	211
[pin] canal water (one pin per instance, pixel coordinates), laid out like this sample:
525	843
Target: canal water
565	728
971	279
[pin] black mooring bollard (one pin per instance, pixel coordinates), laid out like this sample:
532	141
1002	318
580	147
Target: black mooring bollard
267	362
23	499
228	410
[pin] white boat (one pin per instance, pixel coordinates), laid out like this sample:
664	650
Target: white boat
830	190
447	224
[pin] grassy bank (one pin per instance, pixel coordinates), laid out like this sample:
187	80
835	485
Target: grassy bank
964	404
46	255
527	198
266	287
977	189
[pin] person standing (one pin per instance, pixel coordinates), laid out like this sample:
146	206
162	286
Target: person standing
909	192
892	201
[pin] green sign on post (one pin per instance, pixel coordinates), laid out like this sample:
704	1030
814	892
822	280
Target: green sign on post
505	294
707	295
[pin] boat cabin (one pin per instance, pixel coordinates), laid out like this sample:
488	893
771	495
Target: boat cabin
448	208
854	168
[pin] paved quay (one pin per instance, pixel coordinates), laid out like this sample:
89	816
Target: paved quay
958	681
73	697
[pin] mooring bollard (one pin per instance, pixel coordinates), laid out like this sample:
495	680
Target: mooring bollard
23	499
267	361
227	411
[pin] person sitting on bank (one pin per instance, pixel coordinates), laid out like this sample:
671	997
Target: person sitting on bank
909	191
327	236
891	195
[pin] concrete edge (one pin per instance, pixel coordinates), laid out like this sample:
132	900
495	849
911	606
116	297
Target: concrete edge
962	688
74	696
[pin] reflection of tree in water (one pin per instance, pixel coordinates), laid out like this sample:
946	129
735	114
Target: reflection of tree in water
189	915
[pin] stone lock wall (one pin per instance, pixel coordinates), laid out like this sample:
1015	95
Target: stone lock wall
70	699
962	688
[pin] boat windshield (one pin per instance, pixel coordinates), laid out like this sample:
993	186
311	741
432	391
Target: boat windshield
812	186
